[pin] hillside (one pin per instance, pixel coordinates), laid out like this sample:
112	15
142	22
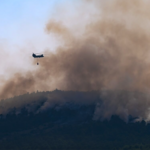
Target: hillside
66	121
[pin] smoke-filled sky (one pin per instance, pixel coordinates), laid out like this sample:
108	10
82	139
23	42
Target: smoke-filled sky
22	30
22	25
88	45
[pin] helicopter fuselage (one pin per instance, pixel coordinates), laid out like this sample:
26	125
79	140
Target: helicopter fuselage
37	56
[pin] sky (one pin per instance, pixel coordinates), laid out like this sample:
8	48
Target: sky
21	21
22	31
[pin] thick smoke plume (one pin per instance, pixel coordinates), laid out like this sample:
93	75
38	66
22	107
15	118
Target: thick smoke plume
112	54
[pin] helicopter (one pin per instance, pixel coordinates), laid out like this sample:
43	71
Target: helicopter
37	56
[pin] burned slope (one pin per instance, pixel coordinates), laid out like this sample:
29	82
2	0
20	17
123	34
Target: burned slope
66	121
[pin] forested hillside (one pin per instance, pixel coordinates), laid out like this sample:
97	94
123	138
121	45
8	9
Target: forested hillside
66	121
